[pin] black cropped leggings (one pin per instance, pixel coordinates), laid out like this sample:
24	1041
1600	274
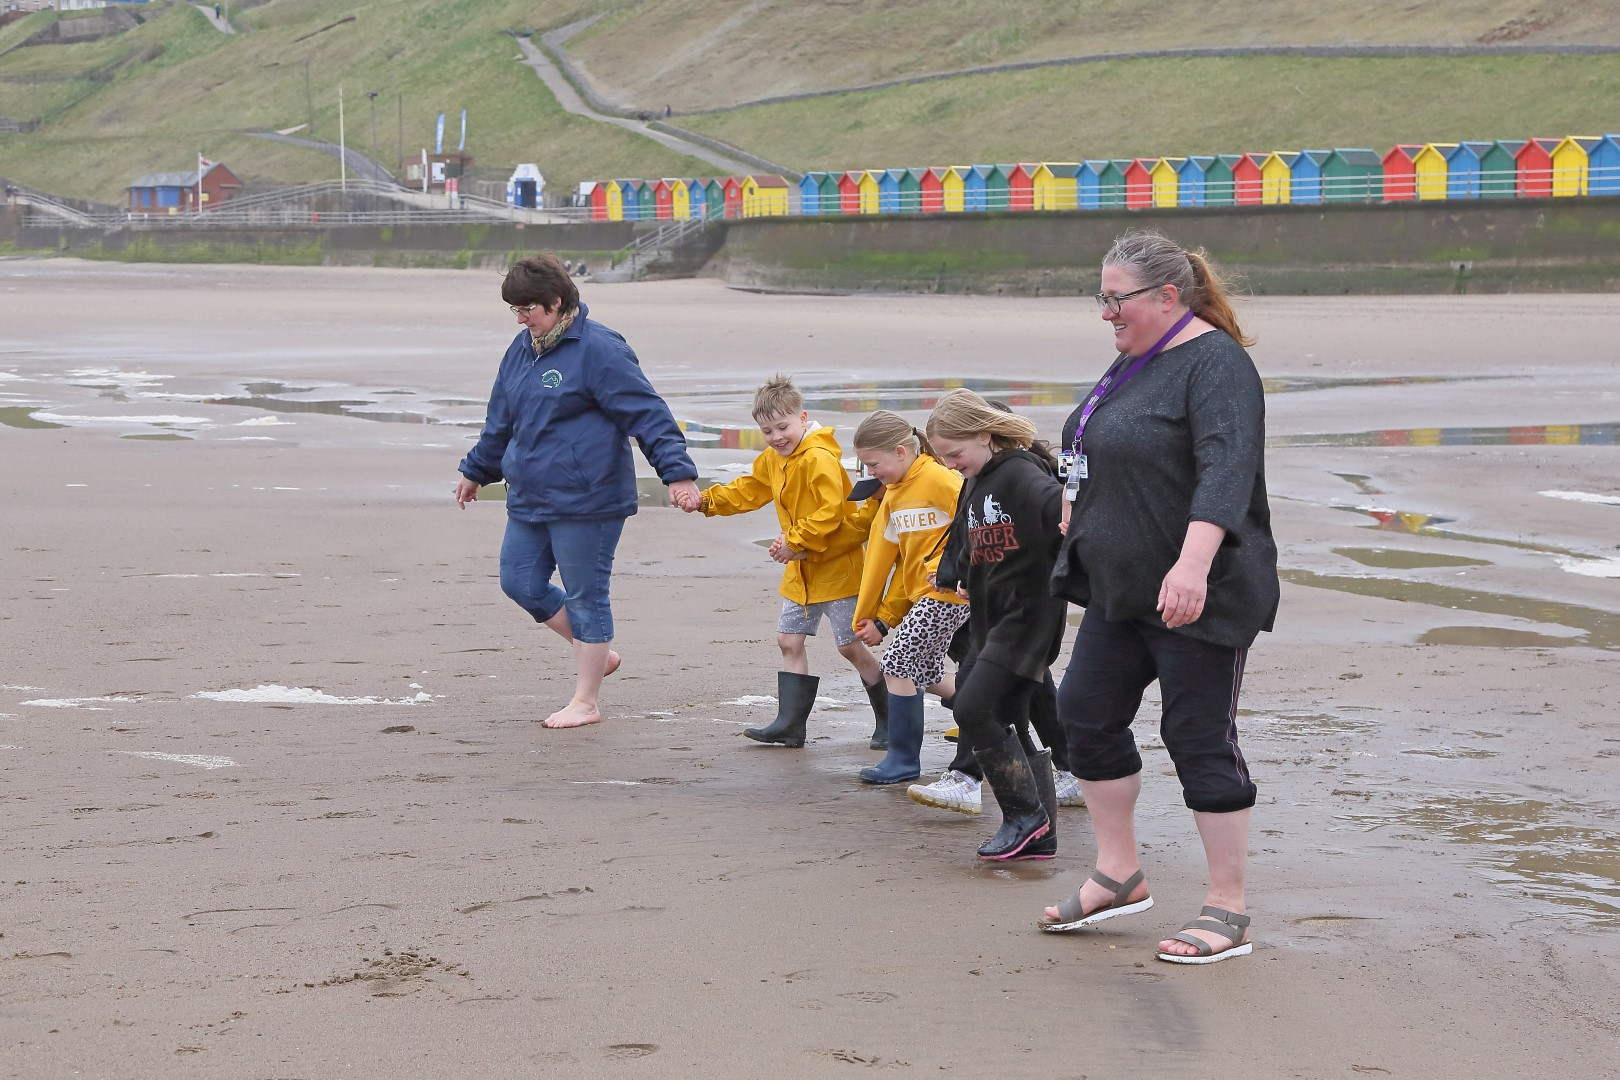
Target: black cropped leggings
990	699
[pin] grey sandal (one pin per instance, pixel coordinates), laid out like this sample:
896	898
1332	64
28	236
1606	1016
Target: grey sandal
1071	917
1212	920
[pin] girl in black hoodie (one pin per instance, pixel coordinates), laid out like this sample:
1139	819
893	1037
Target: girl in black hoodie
1006	540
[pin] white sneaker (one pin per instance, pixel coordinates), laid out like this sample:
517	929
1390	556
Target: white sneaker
952	791
1068	789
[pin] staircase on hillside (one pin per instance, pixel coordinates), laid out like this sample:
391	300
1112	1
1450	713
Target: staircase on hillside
672	247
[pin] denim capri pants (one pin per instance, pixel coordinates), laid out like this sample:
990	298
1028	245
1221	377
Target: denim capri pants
581	552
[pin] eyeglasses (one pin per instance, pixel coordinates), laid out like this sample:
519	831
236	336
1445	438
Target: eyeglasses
1108	302
522	312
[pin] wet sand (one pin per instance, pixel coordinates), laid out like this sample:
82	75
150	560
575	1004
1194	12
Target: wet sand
415	880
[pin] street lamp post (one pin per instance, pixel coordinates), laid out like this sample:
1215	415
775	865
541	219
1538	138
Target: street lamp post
372	94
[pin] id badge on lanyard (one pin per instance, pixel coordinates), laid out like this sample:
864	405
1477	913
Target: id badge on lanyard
1073	466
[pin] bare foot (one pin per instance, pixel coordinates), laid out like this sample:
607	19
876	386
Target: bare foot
612	664
573	714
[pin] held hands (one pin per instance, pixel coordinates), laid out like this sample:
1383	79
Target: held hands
867	632
684	494
782	553
466	492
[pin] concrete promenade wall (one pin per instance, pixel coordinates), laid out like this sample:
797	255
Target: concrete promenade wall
1550	245
1567	245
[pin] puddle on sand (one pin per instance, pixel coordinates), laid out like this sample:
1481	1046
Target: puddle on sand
1360	481
1399	559
1532	435
158	438
1420	524
1451	753
1528	845
358	409
22	416
1598	629
1301	725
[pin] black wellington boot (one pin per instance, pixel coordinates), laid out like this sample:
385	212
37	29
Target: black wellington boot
1046	784
795	697
878	695
1008	772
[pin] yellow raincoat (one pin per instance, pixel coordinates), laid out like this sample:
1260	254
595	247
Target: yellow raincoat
809	487
907	536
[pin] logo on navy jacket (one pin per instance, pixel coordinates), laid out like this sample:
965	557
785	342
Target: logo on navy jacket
990	540
551	379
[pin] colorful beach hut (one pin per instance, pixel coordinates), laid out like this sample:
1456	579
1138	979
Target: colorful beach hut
1569	165
1603	167
1021	186
976	187
732	192
765	195
1400	177
911	190
810	193
599	200
1088	184
1352	175
1057	186
998	187
1191	175
830	196
663	201
1248	180
1276	178
953	185
1305	178
1220	188
1463	165
1497	179
931	190
1138	173
1429	171
629	199
870	191
889	190
849	192
714	194
647	197
1533	167
1165	181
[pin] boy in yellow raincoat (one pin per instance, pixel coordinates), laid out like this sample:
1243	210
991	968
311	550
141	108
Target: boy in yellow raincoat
819	546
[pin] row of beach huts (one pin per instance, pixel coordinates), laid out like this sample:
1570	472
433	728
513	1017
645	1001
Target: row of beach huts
1507	168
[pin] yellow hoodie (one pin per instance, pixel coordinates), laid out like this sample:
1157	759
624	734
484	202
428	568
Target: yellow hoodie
907	537
809	487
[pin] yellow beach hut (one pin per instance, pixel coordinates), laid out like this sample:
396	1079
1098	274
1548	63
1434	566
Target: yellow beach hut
1277	178
870	191
765	196
951	182
1570	164
680	198
1056	186
1167	181
1429	171
615	200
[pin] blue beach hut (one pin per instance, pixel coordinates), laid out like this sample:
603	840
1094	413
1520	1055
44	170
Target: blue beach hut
630	196
1191	174
1090	184
1603	167
810	193
889	190
1464	168
975	186
1305	176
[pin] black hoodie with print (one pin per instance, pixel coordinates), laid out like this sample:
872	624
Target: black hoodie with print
1003	543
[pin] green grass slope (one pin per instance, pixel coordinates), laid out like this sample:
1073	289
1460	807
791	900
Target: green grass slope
150	99
703	54
1152	108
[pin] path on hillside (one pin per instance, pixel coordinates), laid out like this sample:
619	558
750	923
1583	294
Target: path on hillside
360	166
221	24
571	101
557	40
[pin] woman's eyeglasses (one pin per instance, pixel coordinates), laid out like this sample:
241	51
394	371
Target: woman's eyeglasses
1108	301
522	312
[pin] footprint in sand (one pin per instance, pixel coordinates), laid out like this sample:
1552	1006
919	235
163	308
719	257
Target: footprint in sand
627	1051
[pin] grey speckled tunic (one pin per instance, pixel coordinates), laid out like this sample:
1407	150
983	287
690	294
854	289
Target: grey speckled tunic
1182	441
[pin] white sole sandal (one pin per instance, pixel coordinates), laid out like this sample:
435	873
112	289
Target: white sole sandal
1070	916
1212	920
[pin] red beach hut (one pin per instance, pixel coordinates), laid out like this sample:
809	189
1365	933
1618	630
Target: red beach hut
1533	168
849	193
932	187
1248	185
1021	187
734	196
599	201
1139	183
1400	173
663	201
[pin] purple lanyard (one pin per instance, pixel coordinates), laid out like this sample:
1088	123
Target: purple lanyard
1106	387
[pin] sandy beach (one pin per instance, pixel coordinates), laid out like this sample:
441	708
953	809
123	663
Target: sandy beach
236	588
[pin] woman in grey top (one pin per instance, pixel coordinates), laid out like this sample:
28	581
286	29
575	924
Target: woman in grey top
1169	550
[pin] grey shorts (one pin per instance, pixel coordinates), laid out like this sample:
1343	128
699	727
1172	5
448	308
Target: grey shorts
804	618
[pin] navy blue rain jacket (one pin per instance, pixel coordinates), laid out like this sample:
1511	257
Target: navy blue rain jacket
558	428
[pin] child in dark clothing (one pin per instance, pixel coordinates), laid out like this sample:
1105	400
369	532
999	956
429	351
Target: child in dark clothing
1009	521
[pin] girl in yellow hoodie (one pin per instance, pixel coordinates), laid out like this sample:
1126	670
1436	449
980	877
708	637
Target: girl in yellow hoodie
802	472
908	525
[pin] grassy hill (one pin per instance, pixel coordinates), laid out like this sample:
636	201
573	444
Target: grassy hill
150	99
